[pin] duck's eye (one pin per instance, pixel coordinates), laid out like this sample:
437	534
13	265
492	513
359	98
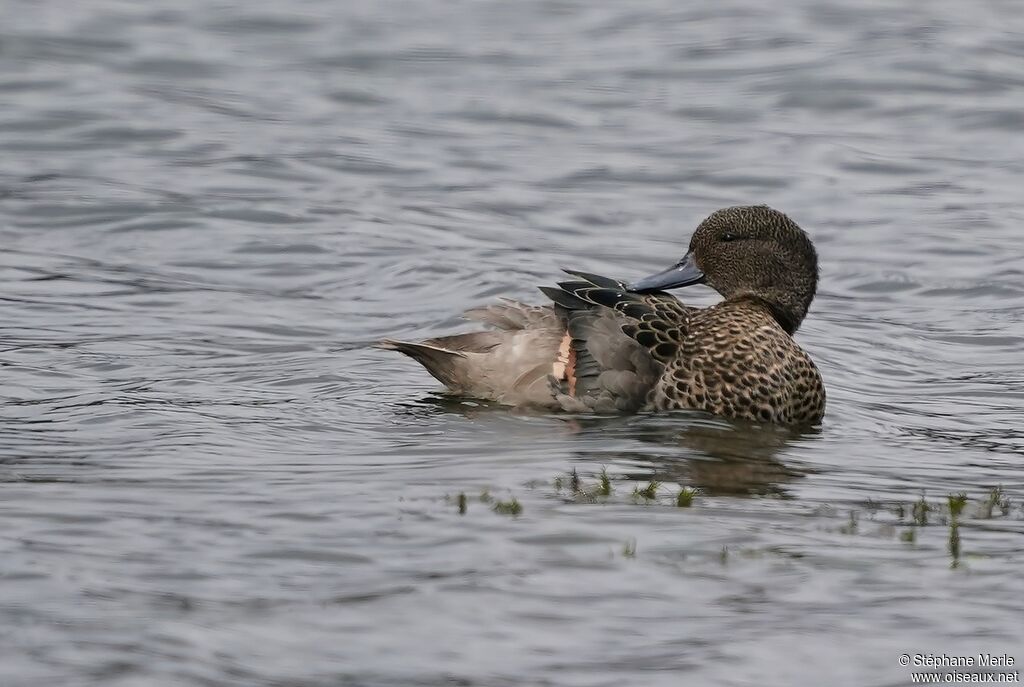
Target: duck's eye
729	236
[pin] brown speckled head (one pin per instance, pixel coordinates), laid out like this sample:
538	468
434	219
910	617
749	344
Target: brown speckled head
748	252
755	251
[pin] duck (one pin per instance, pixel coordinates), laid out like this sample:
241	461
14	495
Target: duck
607	346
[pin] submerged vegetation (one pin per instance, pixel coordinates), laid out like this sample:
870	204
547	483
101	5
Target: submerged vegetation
920	511
603	489
851	525
685	497
906	521
510	507
995	499
574	481
956	505
950	514
648	493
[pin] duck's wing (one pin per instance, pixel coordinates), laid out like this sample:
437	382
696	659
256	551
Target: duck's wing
619	340
656	321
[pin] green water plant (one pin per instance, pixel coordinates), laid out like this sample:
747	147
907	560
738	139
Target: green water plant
510	507
629	548
649	493
605	486
920	511
574	481
956	505
685	497
462	503
954	545
851	525
996	498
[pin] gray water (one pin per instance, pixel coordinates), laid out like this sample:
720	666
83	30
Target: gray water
210	210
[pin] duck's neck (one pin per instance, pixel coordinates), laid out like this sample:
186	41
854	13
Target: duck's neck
788	316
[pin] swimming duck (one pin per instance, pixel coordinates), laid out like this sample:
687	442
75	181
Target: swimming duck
608	346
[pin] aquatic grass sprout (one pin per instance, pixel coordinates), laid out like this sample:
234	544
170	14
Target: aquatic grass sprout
920	511
509	507
603	489
851	524
951	513
648	493
954	544
996	498
574	481
685	497
956	505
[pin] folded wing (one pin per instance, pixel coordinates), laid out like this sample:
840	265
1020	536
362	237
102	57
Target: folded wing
619	342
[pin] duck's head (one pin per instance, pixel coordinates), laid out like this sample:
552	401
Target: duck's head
748	252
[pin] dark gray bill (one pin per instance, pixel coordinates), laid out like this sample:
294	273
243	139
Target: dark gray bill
683	273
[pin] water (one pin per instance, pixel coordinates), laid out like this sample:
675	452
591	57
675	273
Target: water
208	211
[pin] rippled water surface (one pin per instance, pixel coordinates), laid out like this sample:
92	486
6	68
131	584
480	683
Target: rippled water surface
210	210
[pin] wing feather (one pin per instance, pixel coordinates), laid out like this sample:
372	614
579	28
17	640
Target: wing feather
620	340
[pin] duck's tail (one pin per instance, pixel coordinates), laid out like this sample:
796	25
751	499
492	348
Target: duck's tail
510	364
445	365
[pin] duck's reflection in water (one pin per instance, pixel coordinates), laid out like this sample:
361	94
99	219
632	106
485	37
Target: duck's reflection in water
717	456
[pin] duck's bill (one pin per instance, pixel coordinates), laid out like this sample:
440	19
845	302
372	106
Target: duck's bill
683	273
